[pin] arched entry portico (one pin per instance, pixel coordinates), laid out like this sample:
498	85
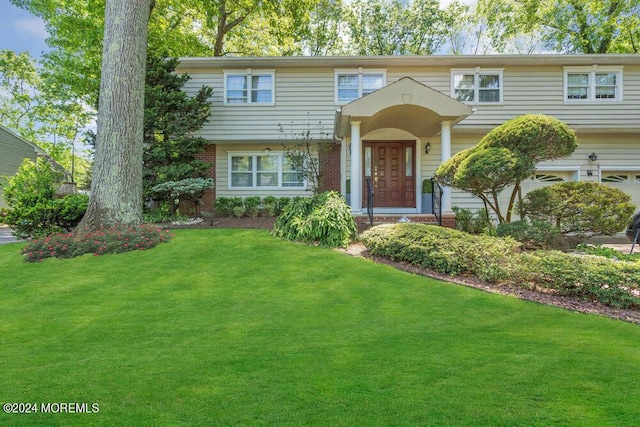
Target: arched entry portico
405	106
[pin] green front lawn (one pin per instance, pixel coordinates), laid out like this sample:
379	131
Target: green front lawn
234	327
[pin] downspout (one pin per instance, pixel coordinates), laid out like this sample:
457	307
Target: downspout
343	152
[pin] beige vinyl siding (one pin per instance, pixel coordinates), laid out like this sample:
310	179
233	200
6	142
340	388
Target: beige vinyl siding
303	98
540	90
307	95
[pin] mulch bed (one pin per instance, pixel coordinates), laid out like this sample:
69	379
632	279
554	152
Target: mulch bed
542	296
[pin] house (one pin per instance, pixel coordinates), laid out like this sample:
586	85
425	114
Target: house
13	150
394	120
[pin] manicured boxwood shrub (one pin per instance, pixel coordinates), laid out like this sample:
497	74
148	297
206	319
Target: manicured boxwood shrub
499	260
251	206
324	219
444	250
581	208
608	281
534	234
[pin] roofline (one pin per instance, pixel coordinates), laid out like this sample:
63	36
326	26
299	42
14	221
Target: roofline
31	144
407	61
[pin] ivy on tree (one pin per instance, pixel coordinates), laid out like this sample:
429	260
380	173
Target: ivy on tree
171	118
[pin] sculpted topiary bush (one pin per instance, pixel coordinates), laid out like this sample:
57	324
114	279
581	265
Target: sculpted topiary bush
581	208
505	157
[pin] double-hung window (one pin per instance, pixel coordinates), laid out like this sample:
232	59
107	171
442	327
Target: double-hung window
249	87
354	84
252	170
592	84
477	86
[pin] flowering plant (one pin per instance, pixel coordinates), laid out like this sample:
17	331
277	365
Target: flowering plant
111	240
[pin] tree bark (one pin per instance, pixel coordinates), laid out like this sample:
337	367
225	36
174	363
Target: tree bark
116	188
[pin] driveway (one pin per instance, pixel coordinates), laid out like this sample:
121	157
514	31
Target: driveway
6	236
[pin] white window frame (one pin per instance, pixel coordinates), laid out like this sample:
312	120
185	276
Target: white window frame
360	72
551	170
254	171
477	72
591	92
248	75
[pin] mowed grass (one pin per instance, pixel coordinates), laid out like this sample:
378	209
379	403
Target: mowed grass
235	327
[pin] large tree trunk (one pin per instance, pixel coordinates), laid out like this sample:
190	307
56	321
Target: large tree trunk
116	188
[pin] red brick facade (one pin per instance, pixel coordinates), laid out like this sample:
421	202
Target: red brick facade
330	168
209	156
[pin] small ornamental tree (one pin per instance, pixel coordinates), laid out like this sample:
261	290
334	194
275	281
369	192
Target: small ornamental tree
306	152
171	118
581	208
505	157
191	189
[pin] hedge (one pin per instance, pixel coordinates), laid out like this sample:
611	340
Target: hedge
500	261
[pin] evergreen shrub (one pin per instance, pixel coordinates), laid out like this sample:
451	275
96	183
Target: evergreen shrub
499	260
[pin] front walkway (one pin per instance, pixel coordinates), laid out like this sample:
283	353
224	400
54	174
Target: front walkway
6	236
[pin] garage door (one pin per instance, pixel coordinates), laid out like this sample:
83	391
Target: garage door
543	179
627	181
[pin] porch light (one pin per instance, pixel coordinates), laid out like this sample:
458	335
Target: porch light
267	151
427	148
593	157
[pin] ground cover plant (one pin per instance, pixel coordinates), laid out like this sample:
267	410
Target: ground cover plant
234	327
499	260
111	240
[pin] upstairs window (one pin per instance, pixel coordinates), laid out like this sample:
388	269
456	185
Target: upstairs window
477	86
263	171
249	87
354	84
593	84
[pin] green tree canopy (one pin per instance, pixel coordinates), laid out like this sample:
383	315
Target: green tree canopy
394	27
566	26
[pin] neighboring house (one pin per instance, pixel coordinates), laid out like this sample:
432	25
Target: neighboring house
396	119
13	150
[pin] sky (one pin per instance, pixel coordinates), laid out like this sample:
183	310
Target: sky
20	30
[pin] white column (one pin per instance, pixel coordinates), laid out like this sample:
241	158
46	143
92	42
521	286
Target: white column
445	137
356	168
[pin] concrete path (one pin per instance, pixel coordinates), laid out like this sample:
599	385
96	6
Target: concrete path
6	236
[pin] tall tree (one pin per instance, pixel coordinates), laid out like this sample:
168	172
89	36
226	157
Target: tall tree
326	30
395	27
116	190
567	26
171	119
